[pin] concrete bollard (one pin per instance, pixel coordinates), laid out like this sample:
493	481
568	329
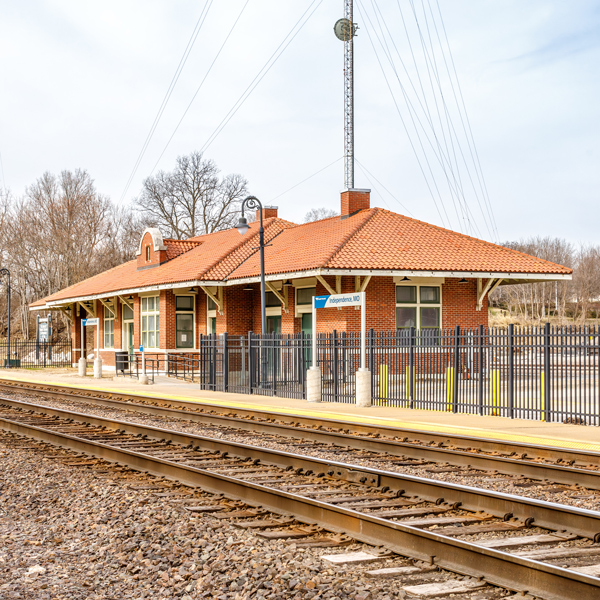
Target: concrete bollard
363	387
313	384
82	366
98	368
144	379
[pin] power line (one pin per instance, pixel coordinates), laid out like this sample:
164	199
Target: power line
261	74
337	160
367	173
200	86
175	78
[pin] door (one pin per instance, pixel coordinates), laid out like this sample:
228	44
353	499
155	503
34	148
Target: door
128	337
307	330
274	324
212	325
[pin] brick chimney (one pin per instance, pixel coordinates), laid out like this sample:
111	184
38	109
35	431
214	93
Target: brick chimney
354	200
268	212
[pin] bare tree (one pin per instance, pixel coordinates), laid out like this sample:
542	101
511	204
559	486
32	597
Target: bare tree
317	214
192	199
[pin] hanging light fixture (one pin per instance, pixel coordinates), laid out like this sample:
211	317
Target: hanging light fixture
463	280
248	288
405	278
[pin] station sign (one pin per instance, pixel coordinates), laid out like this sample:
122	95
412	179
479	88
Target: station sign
94	321
337	300
43	331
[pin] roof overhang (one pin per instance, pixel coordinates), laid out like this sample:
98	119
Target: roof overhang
507	279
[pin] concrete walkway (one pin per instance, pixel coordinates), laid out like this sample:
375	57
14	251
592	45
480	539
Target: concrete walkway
534	432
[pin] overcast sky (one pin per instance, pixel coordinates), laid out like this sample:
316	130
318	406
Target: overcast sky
81	82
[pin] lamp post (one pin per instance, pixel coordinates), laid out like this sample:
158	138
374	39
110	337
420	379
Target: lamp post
7	273
252	202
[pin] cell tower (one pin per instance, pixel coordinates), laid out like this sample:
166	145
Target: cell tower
345	30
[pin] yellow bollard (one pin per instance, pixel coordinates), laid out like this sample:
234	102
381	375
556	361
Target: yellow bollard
409	385
543	396
383	382
449	388
495	391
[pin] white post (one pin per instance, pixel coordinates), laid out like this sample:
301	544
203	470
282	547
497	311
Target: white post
98	361
313	376
363	376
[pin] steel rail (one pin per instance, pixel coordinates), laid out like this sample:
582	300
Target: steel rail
498	568
550	515
563	474
425	437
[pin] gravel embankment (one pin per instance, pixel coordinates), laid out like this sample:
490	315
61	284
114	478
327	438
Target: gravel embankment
86	533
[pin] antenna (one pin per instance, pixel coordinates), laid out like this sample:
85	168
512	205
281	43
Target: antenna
345	30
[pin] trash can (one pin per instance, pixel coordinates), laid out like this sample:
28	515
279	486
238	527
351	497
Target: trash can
122	361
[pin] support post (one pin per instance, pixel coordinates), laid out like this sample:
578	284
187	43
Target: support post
363	375
547	406
511	370
455	370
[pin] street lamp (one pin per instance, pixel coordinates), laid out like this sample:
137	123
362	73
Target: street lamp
7	272
252	202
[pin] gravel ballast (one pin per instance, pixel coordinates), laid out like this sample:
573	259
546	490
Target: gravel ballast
93	532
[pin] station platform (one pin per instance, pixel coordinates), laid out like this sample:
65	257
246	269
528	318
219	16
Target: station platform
559	435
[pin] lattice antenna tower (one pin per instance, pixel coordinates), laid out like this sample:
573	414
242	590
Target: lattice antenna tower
345	30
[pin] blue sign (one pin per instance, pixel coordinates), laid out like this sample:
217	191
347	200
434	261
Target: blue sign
141	348
337	300
93	321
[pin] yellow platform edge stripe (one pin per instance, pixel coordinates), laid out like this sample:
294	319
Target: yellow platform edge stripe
476	432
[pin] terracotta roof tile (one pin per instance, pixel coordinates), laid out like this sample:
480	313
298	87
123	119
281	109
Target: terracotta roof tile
372	239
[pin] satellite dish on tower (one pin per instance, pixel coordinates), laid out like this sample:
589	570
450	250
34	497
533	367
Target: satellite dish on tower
344	30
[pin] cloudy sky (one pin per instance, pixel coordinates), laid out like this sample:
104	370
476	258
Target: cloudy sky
81	82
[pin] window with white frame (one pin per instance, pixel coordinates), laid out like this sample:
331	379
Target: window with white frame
184	321
305	295
419	306
109	328
150	322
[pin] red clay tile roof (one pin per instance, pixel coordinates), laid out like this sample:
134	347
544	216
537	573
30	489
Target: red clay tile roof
177	247
373	239
377	239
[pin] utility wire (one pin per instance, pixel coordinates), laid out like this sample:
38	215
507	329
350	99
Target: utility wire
470	137
261	74
337	160
410	140
368	173
185	112
174	80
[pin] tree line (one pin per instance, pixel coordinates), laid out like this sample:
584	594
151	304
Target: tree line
62	229
576	300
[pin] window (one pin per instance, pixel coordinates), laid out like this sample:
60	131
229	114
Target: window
418	306
109	329
147	252
271	299
305	295
150	322
211	304
184	321
127	313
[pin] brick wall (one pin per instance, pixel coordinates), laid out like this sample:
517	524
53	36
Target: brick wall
353	200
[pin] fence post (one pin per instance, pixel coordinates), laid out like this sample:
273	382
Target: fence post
456	367
480	368
372	361
411	366
225	362
250	364
546	407
511	370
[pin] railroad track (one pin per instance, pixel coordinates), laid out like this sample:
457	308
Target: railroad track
415	517
547	464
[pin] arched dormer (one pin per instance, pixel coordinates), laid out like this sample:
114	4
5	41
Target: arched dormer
151	250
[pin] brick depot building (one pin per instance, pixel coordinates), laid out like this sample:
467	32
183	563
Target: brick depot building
413	273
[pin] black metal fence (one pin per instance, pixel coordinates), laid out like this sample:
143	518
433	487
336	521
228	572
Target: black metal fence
544	373
29	354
